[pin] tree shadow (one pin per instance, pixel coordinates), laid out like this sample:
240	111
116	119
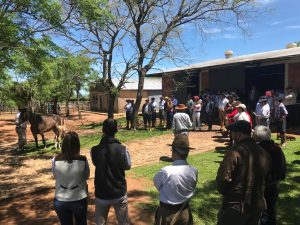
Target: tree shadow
221	149
297	161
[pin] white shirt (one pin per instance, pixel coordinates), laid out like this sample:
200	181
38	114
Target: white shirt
265	111
128	107
222	103
197	106
153	104
176	183
162	105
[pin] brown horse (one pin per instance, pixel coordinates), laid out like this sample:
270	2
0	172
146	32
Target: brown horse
41	124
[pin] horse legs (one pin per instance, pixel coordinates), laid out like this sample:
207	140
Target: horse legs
43	138
56	137
36	140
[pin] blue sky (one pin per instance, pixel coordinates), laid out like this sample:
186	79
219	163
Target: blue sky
269	31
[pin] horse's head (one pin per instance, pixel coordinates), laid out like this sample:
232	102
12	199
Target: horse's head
25	115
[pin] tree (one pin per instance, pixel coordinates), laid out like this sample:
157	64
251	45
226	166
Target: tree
103	31
157	24
22	20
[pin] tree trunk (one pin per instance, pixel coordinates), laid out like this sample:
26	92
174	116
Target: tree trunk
139	96
111	105
78	106
67	107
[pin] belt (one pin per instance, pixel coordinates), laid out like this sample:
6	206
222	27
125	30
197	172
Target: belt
174	207
181	131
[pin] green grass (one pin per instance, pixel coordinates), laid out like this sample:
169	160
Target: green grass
90	140
206	201
87	141
31	151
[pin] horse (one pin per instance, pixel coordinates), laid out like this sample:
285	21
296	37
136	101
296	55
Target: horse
41	124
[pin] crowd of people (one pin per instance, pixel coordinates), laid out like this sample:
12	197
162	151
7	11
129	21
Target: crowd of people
247	178
219	107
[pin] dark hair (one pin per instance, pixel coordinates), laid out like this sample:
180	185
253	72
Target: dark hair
70	146
241	126
110	127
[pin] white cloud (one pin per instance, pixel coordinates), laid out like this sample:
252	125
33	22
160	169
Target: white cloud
293	27
212	30
231	36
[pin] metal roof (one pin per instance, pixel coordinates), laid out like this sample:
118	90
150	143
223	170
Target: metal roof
150	83
263	56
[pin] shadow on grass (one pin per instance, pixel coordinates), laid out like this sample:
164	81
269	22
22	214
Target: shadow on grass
296	161
289	197
206	202
44	153
92	125
221	149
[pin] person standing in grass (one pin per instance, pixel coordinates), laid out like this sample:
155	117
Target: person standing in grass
181	120
147	114
129	110
110	159
176	185
280	119
161	112
71	171
241	178
21	129
262	136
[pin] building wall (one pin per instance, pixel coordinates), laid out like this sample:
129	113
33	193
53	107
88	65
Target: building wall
167	85
294	75
227	78
99	100
131	94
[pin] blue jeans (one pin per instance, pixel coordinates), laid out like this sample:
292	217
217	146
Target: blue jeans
66	210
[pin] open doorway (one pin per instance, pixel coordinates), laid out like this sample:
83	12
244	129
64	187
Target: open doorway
193	85
265	78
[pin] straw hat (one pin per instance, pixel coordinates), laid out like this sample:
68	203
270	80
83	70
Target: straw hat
180	107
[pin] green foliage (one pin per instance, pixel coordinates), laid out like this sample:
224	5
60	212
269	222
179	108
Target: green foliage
206	201
21	21
93	11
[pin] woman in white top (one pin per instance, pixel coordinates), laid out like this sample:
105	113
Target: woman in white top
197	104
71	170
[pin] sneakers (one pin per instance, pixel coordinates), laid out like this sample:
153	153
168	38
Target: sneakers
283	144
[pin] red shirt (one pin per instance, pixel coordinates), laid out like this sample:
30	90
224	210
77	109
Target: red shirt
231	115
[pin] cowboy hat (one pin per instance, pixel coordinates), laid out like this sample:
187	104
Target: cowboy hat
181	144
243	106
180	107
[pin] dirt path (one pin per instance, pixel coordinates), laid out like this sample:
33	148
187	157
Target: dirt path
28	179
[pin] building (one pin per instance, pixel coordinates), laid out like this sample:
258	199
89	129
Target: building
275	70
99	98
267	70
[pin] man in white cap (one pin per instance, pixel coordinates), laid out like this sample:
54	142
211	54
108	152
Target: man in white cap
176	184
242	114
